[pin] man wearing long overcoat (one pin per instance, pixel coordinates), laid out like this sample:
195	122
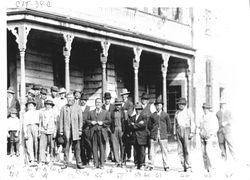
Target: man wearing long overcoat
71	128
98	119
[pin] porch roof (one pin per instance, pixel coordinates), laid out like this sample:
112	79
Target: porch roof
59	23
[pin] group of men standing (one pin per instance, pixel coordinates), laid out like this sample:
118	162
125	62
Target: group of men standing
110	130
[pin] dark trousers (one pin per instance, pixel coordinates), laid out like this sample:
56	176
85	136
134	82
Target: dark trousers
76	147
139	154
127	151
117	145
86	150
98	144
14	142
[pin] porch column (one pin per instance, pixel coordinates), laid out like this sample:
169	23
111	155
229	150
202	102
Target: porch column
104	58
68	38
164	70
21	32
136	63
190	83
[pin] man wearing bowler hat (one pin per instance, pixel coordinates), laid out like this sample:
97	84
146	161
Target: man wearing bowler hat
159	126
127	108
209	145
224	133
12	102
71	128
184	128
108	107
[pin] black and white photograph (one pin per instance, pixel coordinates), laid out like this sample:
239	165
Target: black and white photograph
146	90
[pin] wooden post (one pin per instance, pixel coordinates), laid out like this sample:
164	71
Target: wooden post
68	38
21	38
104	58
190	84
164	69
136	63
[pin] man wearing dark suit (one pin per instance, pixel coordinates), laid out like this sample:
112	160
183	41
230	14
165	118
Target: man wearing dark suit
71	128
137	124
98	119
12	102
108	107
86	150
117	128
148	109
127	108
159	126
37	98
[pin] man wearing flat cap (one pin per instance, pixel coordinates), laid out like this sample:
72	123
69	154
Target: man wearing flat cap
71	128
139	139
209	145
108	107
184	128
224	133
117	128
77	93
12	102
159	126
127	108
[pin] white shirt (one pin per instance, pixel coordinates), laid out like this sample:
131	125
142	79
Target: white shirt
83	108
31	117
107	107
185	118
13	124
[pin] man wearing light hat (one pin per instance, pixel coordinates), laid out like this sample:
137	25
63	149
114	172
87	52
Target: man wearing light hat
127	108
224	133
184	128
62	98
12	102
71	128
31	128
209	144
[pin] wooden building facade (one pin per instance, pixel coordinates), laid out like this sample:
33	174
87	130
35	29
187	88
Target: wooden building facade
99	50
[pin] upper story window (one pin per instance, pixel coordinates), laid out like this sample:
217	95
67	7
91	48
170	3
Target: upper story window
208	22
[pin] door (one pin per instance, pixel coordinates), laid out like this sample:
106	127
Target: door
173	94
